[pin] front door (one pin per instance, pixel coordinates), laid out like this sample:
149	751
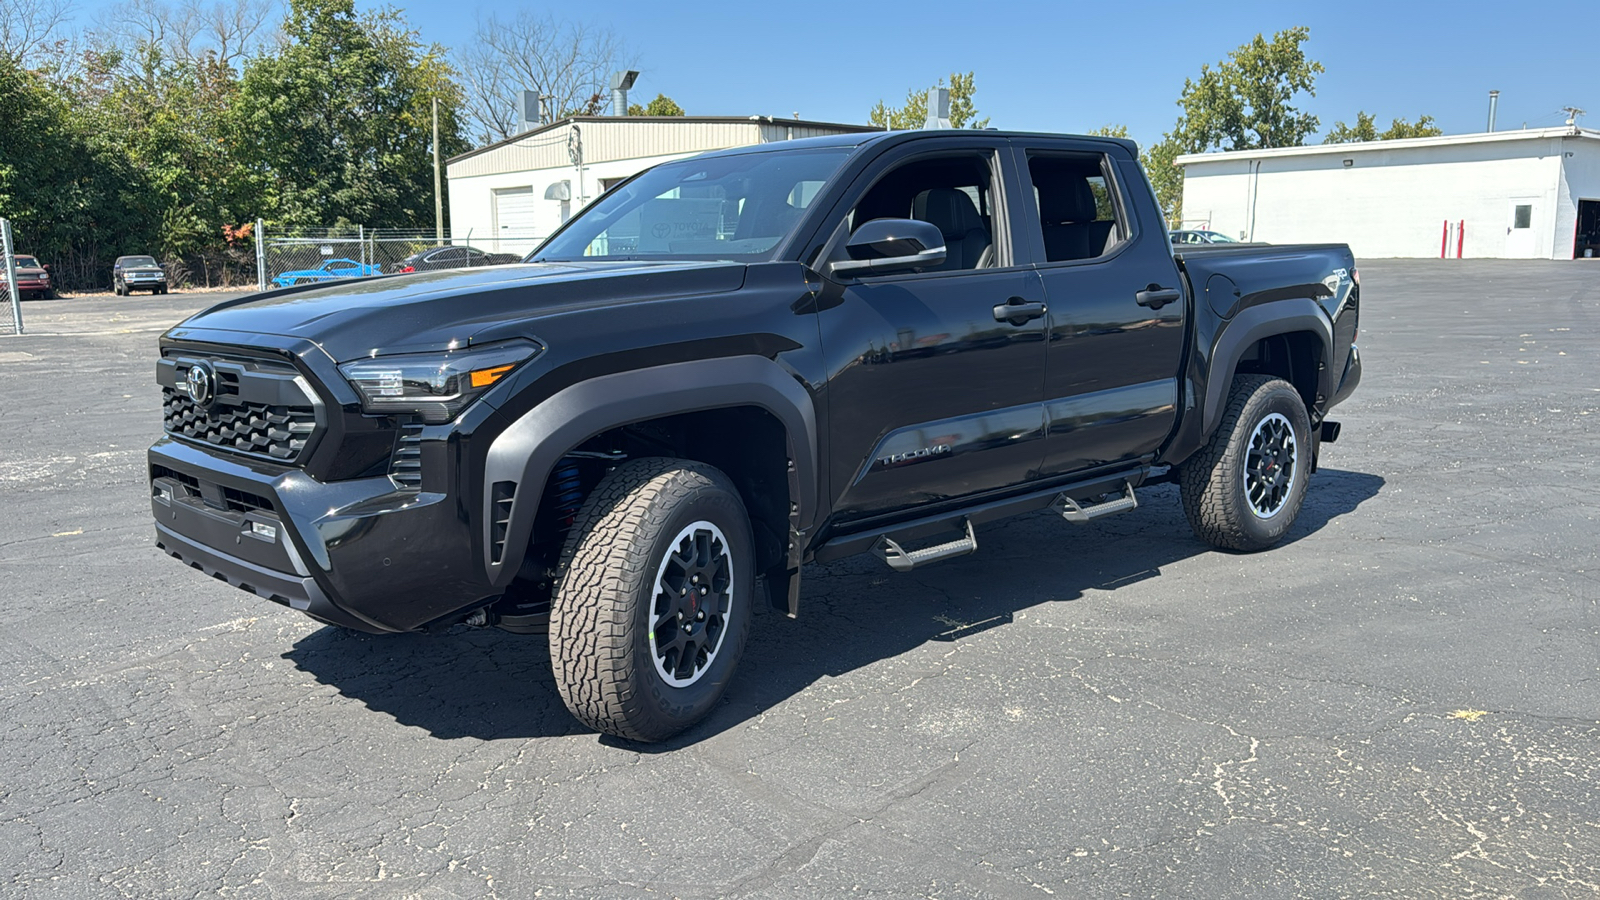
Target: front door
1116	324
932	394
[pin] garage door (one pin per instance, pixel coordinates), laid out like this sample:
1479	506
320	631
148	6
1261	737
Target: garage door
514	225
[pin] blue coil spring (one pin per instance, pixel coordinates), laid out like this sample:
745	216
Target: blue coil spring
566	487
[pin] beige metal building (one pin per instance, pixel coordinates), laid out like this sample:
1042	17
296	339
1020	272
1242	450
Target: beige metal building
508	196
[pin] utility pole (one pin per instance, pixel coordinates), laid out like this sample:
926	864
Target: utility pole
1572	115
438	196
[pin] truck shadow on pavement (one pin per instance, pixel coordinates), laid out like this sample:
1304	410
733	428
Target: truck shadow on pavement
491	685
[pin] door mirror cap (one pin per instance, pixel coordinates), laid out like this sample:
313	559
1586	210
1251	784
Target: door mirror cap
889	246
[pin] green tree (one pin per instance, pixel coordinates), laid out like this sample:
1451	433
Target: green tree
1111	131
662	105
167	118
1365	129
914	114
1244	103
70	196
337	125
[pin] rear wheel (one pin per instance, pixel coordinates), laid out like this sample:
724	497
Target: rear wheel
1244	489
650	614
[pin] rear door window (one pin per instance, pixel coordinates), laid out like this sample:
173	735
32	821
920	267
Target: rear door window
1081	212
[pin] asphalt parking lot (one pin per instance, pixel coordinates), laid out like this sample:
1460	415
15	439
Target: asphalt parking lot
1403	700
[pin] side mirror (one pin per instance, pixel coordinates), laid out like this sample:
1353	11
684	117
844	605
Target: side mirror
888	246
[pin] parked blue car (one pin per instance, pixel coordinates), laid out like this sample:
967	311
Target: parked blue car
330	270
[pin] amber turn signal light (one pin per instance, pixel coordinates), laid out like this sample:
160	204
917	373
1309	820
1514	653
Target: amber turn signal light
485	377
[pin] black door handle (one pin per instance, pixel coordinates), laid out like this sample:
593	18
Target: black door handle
1017	310
1156	296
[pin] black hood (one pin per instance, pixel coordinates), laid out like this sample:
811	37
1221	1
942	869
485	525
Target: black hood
435	310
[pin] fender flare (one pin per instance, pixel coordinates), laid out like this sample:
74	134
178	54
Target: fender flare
1251	325
529	449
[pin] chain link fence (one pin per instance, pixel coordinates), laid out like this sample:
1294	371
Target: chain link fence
286	257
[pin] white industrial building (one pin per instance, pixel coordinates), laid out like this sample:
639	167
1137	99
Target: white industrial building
508	196
1529	194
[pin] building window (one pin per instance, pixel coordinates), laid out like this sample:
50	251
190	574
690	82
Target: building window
1522	216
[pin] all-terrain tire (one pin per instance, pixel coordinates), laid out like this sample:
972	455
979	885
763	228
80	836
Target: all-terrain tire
1239	497
610	665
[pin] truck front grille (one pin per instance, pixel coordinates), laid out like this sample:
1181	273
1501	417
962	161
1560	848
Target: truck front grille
260	408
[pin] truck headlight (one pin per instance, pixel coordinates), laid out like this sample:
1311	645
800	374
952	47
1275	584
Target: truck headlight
435	386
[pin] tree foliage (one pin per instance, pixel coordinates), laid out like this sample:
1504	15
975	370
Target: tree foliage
179	122
1365	129
336	125
662	105
914	114
1245	102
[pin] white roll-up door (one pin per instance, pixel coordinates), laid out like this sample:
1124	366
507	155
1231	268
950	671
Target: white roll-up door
515	223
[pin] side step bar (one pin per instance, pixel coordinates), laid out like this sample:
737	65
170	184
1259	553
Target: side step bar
903	560
1077	514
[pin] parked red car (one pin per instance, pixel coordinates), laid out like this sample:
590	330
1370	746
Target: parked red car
33	280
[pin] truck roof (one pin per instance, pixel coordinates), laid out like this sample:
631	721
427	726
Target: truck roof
885	138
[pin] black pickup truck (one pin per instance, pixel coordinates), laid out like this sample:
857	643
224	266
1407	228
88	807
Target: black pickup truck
730	366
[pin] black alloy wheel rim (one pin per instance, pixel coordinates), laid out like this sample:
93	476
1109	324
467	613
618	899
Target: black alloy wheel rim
1270	471
692	601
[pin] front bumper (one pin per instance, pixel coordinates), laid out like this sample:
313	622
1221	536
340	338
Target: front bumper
359	553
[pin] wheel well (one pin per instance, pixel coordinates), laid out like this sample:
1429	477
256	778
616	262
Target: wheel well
747	443
1295	357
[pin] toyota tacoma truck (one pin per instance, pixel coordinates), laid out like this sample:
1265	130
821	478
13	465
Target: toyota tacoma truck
735	364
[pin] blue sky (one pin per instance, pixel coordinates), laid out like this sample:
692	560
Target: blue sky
1072	66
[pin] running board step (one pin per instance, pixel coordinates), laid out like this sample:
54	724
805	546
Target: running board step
1077	514
903	560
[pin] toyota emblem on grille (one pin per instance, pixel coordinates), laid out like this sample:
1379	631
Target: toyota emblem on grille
202	384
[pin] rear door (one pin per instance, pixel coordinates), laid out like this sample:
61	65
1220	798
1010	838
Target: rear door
1116	320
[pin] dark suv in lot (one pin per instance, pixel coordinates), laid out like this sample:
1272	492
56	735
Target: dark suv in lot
730	366
137	273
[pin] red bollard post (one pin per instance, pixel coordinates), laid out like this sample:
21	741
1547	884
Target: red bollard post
1444	240
1461	237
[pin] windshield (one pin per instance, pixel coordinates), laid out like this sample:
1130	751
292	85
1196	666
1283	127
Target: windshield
722	208
1220	238
27	262
148	262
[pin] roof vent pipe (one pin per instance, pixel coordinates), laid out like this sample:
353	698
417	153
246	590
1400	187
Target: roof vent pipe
621	84
1494	101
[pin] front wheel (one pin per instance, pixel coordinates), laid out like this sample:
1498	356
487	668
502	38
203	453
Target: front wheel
1244	489
650	614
